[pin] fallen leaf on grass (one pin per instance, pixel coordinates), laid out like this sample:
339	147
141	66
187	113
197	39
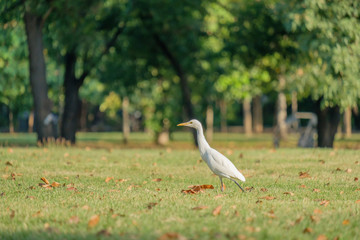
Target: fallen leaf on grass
271	214
55	184
349	170
199	207
157	180
338	169
317	211
356	179
263	190
108	179
316	190
71	189
47	186
297	221
74	220
2	194
304	175
249	189
194	189
217	210
171	236
321	237
357	201
8	163
151	205
268	197
252	229
322	161
45	180
314	218
324	203
346	222
30	197
37	214
86	207
302	186
259	202
121	180
219	196
308	230
94	220
289	193
103	232
12	213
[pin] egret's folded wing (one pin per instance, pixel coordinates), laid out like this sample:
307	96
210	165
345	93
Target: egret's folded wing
224	166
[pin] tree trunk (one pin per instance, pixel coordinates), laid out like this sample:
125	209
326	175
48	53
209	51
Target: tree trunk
83	117
11	121
209	123
72	102
185	90
223	124
247	117
328	121
42	104
281	113
347	122
356	115
125	122
257	115
294	107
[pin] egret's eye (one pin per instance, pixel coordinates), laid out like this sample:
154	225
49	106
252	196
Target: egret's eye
190	122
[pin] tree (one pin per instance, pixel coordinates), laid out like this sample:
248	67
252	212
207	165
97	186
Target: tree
328	36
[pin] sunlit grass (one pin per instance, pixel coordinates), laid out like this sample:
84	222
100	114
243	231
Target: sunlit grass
139	208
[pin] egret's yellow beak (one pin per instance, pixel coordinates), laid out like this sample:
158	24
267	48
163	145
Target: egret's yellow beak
183	124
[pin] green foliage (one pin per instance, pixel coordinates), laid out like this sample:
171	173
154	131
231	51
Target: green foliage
328	36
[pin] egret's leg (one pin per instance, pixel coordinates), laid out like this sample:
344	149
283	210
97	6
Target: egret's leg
222	185
237	184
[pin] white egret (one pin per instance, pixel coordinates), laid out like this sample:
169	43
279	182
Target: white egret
217	162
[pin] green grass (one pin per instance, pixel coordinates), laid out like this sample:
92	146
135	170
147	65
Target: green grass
28	211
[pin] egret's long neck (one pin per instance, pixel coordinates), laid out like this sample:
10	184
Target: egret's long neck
203	145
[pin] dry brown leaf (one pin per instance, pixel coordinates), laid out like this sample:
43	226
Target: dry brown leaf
8	163
121	180
249	189
346	222
199	207
259	202
55	184
316	190
308	230
74	220
349	170
171	236
30	197
263	190
302	186
297	221
38	213
86	207
356	179
338	169
322	161
314	218
304	175
151	205
12	213
10	150
271	214
219	196
103	232
268	197
94	220
45	180
108	179
2	194
217	210
71	189
357	201
194	189
157	180
321	237
47	186
252	229
317	211
324	203
289	193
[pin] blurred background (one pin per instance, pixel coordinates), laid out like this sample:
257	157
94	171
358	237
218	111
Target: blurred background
256	73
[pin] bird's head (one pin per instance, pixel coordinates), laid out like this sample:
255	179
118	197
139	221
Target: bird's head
192	123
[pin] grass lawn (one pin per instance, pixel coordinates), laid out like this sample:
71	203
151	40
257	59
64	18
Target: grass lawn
117	194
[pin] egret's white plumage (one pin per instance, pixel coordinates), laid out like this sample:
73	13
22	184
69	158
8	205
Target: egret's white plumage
217	162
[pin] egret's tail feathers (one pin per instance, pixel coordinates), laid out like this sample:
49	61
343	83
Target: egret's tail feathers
240	177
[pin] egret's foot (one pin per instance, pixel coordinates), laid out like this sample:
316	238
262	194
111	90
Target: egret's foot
238	185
